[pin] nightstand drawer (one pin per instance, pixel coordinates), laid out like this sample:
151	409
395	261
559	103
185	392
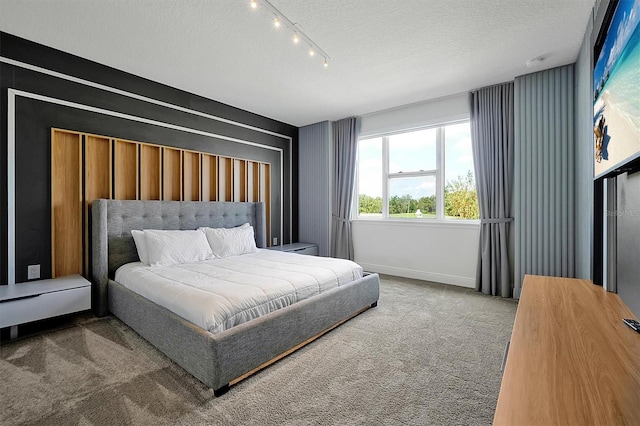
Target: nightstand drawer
45	305
311	251
298	248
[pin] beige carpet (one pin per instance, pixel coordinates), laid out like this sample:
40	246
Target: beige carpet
428	354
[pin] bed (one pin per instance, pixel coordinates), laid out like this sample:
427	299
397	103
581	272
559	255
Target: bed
227	356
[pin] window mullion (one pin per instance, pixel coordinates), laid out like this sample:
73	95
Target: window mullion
385	177
440	173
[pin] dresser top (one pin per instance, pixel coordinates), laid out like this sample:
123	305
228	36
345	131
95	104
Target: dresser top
571	358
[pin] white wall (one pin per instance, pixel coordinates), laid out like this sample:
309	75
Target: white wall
444	253
440	251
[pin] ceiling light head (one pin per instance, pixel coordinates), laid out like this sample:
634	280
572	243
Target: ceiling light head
254	4
311	51
296	38
326	63
276	22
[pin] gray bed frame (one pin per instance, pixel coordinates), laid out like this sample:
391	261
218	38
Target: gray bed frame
217	360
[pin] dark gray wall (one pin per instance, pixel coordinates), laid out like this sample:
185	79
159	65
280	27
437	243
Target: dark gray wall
35	116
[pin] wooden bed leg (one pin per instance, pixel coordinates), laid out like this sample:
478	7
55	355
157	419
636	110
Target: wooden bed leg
221	390
374	304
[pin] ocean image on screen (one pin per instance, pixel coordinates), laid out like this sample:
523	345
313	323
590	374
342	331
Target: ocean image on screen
617	91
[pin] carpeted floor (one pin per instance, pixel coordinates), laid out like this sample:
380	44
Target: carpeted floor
428	354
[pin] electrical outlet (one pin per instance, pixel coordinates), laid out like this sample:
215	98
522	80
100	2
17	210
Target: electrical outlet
275	241
33	272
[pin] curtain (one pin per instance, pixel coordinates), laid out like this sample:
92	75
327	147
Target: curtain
492	136
544	192
345	145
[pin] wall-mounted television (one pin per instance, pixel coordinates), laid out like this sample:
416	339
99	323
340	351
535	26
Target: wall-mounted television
616	84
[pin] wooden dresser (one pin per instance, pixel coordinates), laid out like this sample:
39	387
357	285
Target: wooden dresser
571	361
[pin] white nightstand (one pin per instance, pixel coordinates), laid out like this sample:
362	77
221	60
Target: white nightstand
36	300
299	248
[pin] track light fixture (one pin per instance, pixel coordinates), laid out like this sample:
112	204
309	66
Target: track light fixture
280	19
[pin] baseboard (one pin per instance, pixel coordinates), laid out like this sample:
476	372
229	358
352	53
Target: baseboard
420	275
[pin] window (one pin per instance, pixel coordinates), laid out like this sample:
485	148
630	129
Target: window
421	174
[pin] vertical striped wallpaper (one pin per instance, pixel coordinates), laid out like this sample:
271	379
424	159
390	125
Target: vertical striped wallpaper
314	179
544	174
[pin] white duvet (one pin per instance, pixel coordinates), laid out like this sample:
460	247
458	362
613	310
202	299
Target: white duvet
221	293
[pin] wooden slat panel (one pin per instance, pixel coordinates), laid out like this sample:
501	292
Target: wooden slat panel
125	166
150	172
243	181
225	179
66	203
209	175
265	196
253	182
172	174
191	176
97	182
124	169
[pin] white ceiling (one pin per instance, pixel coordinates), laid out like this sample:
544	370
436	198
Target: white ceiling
384	53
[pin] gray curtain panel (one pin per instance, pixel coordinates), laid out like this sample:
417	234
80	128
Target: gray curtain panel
492	136
345	146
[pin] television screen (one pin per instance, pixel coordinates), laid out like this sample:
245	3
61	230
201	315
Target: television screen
616	76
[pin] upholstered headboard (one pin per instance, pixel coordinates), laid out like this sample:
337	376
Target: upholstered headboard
113	220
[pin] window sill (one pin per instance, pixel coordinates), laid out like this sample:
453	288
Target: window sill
433	223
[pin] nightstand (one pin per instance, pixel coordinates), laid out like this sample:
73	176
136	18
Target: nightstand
37	300
298	248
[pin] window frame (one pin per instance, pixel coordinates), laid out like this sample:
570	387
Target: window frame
439	174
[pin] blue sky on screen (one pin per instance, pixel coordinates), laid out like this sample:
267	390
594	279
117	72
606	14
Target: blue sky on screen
414	151
624	22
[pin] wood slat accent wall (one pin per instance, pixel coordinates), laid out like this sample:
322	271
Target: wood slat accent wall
151	169
66	203
85	167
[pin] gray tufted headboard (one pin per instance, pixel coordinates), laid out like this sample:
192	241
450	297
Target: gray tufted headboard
113	220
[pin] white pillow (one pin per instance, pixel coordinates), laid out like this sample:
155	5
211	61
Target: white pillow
141	246
167	248
227	242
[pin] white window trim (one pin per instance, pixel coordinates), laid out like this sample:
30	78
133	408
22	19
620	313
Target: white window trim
440	218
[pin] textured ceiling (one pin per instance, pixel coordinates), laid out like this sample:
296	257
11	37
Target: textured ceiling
384	53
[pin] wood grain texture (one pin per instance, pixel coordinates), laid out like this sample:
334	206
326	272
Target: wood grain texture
265	196
190	176
225	179
171	174
209	177
97	181
150	172
239	180
253	182
85	167
571	358
66	203
125	169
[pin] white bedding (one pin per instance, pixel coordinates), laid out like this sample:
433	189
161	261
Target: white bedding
218	294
